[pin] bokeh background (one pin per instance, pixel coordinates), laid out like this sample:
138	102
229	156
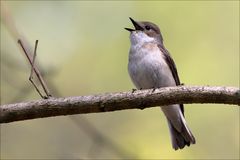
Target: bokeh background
83	50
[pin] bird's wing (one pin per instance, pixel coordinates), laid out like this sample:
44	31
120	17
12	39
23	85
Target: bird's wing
172	67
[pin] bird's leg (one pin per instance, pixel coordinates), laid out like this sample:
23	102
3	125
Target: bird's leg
153	89
133	90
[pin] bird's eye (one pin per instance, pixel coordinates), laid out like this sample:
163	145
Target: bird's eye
147	27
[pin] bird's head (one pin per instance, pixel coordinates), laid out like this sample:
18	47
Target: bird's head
144	32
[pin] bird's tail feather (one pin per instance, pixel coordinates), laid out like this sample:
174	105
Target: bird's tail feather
182	138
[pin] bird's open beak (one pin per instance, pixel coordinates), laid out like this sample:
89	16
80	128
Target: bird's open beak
136	25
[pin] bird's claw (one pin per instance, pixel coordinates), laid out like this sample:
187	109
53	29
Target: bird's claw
133	90
153	89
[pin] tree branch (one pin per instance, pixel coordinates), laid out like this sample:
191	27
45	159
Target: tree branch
118	101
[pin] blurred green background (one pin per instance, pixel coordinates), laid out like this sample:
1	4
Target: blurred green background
83	50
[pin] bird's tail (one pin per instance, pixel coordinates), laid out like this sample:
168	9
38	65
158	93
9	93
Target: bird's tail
181	138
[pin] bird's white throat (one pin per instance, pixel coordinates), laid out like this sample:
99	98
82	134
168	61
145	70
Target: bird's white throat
139	38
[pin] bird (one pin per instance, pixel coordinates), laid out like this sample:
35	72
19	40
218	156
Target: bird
151	66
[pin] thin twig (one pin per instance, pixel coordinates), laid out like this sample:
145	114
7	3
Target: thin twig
34	57
31	74
42	82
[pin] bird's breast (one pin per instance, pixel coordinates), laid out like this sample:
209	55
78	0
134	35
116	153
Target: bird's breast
148	68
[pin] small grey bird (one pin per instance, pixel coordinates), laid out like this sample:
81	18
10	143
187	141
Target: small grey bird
151	66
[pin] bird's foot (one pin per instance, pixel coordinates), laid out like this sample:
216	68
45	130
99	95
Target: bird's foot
134	90
153	89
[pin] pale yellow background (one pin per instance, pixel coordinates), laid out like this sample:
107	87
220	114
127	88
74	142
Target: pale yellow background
84	50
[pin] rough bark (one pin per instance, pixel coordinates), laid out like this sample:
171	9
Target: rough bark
107	102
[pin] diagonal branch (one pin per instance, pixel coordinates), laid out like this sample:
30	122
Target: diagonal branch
118	101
